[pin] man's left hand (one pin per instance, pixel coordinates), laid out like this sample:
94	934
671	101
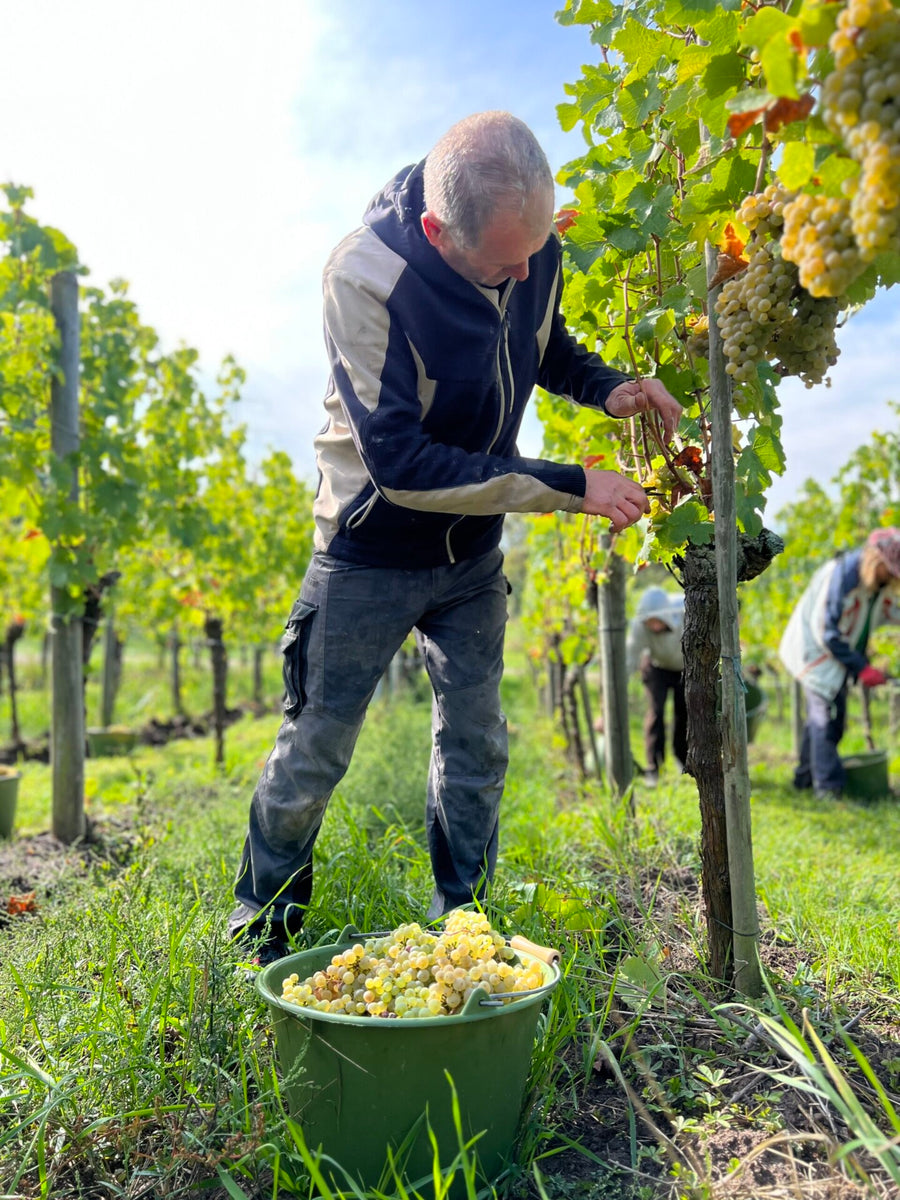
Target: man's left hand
645	395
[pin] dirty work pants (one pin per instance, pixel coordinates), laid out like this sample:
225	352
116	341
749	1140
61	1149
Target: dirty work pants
658	682
820	765
342	633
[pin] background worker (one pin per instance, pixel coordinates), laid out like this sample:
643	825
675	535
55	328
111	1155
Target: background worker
825	643
441	314
654	649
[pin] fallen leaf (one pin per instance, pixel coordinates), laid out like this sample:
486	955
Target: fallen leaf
16	905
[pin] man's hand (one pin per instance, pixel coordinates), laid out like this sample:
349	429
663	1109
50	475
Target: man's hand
608	494
645	395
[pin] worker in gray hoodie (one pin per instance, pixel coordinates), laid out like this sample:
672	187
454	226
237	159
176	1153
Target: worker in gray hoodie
654	648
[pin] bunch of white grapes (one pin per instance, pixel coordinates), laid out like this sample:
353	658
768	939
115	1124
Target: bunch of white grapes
414	973
751	305
763	212
818	236
698	336
805	345
764	313
861	103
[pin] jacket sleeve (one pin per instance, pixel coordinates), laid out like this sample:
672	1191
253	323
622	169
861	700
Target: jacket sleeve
569	369
376	377
842	581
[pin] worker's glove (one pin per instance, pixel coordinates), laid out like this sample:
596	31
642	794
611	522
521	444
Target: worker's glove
872	677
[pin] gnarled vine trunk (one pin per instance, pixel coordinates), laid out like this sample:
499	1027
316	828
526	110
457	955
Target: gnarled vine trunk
702	650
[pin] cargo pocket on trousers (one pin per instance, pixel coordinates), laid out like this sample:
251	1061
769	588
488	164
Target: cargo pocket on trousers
293	650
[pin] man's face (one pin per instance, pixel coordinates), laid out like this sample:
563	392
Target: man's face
655	625
508	242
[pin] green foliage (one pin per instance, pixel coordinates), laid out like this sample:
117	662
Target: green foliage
688	110
165	496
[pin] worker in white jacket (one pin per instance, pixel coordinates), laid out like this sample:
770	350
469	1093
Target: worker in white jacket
825	643
654	648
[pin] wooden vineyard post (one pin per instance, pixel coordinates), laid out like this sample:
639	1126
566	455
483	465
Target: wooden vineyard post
747	975
175	670
214	628
612	628
67	705
112	662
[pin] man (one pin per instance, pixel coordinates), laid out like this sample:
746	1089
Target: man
825	646
654	646
441	314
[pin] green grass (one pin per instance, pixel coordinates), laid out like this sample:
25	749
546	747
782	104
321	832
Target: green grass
138	1061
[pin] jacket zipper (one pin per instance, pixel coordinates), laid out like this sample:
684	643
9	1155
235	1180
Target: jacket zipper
507	323
502	349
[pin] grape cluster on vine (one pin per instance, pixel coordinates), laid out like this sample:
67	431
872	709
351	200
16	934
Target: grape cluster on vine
861	103
765	314
698	336
413	973
818	236
763	212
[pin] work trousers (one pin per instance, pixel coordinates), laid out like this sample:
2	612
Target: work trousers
820	765
347	625
658	682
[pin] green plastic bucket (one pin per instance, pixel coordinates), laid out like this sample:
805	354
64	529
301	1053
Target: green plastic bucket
866	775
9	794
358	1085
109	741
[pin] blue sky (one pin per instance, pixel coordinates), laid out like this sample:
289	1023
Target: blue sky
213	151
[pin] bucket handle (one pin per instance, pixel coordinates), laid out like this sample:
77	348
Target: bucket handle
545	953
482	998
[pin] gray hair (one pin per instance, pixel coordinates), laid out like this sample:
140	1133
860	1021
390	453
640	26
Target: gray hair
487	162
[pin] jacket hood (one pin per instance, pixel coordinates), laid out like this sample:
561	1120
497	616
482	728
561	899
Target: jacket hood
656	602
395	216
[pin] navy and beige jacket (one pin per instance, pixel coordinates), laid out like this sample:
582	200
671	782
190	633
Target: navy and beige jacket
430	375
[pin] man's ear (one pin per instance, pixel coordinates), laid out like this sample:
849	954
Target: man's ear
432	228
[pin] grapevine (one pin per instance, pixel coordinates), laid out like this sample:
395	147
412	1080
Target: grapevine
412	973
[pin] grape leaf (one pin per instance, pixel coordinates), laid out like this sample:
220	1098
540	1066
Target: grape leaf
688	522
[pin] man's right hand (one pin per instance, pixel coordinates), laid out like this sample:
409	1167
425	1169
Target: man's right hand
608	494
